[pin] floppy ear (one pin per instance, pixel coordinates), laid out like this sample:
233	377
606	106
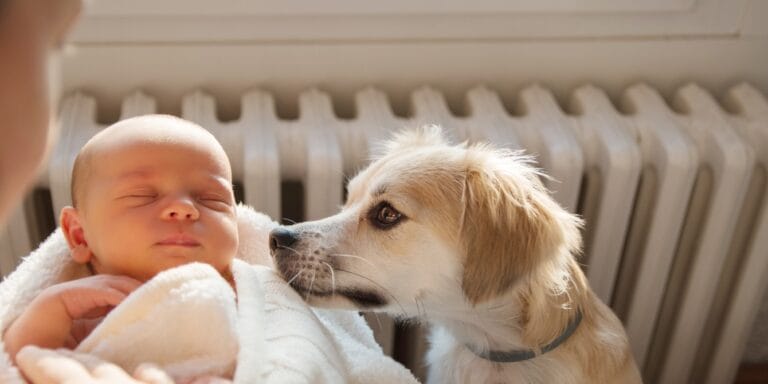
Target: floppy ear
510	225
409	138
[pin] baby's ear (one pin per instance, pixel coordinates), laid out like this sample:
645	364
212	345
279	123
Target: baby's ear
73	231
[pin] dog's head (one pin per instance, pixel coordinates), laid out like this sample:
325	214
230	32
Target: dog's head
428	222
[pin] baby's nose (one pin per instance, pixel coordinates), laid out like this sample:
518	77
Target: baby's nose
181	209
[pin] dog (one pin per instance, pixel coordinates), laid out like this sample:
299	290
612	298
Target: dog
466	238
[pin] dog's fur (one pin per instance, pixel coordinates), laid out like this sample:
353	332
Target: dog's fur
480	250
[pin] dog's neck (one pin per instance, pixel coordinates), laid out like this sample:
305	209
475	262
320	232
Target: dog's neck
494	325
525	318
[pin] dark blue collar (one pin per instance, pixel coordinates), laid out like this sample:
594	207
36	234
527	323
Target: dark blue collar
521	355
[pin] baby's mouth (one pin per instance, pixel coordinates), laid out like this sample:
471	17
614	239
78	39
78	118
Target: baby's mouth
180	240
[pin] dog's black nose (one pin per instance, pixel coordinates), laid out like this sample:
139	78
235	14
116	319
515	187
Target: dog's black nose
282	237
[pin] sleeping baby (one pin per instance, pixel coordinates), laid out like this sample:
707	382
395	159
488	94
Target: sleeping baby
154	263
149	194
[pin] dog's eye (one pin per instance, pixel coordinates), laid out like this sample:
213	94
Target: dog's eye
384	216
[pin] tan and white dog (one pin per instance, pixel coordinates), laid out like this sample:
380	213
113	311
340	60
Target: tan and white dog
468	239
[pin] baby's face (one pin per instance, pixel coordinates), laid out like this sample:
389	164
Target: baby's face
154	205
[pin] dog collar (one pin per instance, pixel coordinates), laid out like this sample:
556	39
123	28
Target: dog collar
522	355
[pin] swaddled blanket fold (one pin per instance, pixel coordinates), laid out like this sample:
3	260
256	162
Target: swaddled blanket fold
184	320
271	334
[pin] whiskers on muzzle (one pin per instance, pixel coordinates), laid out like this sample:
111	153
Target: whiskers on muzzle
316	274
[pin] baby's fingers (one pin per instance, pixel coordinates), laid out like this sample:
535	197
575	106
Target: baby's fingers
85	303
94	296
105	372
123	284
151	374
44	366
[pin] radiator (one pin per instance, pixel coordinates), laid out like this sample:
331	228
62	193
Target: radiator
673	193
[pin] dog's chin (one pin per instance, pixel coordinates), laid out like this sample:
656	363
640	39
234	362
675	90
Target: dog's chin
341	298
330	302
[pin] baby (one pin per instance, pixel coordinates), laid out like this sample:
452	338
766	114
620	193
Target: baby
149	193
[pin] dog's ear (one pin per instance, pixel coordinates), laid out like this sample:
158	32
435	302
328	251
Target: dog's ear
409	138
510	224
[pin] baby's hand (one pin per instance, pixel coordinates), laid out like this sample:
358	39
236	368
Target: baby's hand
46	366
49	319
91	296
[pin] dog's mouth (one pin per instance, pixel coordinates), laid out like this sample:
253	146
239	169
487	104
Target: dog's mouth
360	298
305	271
364	299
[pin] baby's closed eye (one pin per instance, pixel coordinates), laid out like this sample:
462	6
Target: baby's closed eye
137	198
216	200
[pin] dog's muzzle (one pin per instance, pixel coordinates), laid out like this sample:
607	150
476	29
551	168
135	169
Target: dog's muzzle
304	270
282	237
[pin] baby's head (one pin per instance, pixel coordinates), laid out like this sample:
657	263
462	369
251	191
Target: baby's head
151	193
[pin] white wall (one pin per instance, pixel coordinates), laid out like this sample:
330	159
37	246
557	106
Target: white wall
173	46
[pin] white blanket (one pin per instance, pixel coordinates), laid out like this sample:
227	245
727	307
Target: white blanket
273	335
184	320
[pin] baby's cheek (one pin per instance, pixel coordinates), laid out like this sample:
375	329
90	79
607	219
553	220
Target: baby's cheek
227	233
